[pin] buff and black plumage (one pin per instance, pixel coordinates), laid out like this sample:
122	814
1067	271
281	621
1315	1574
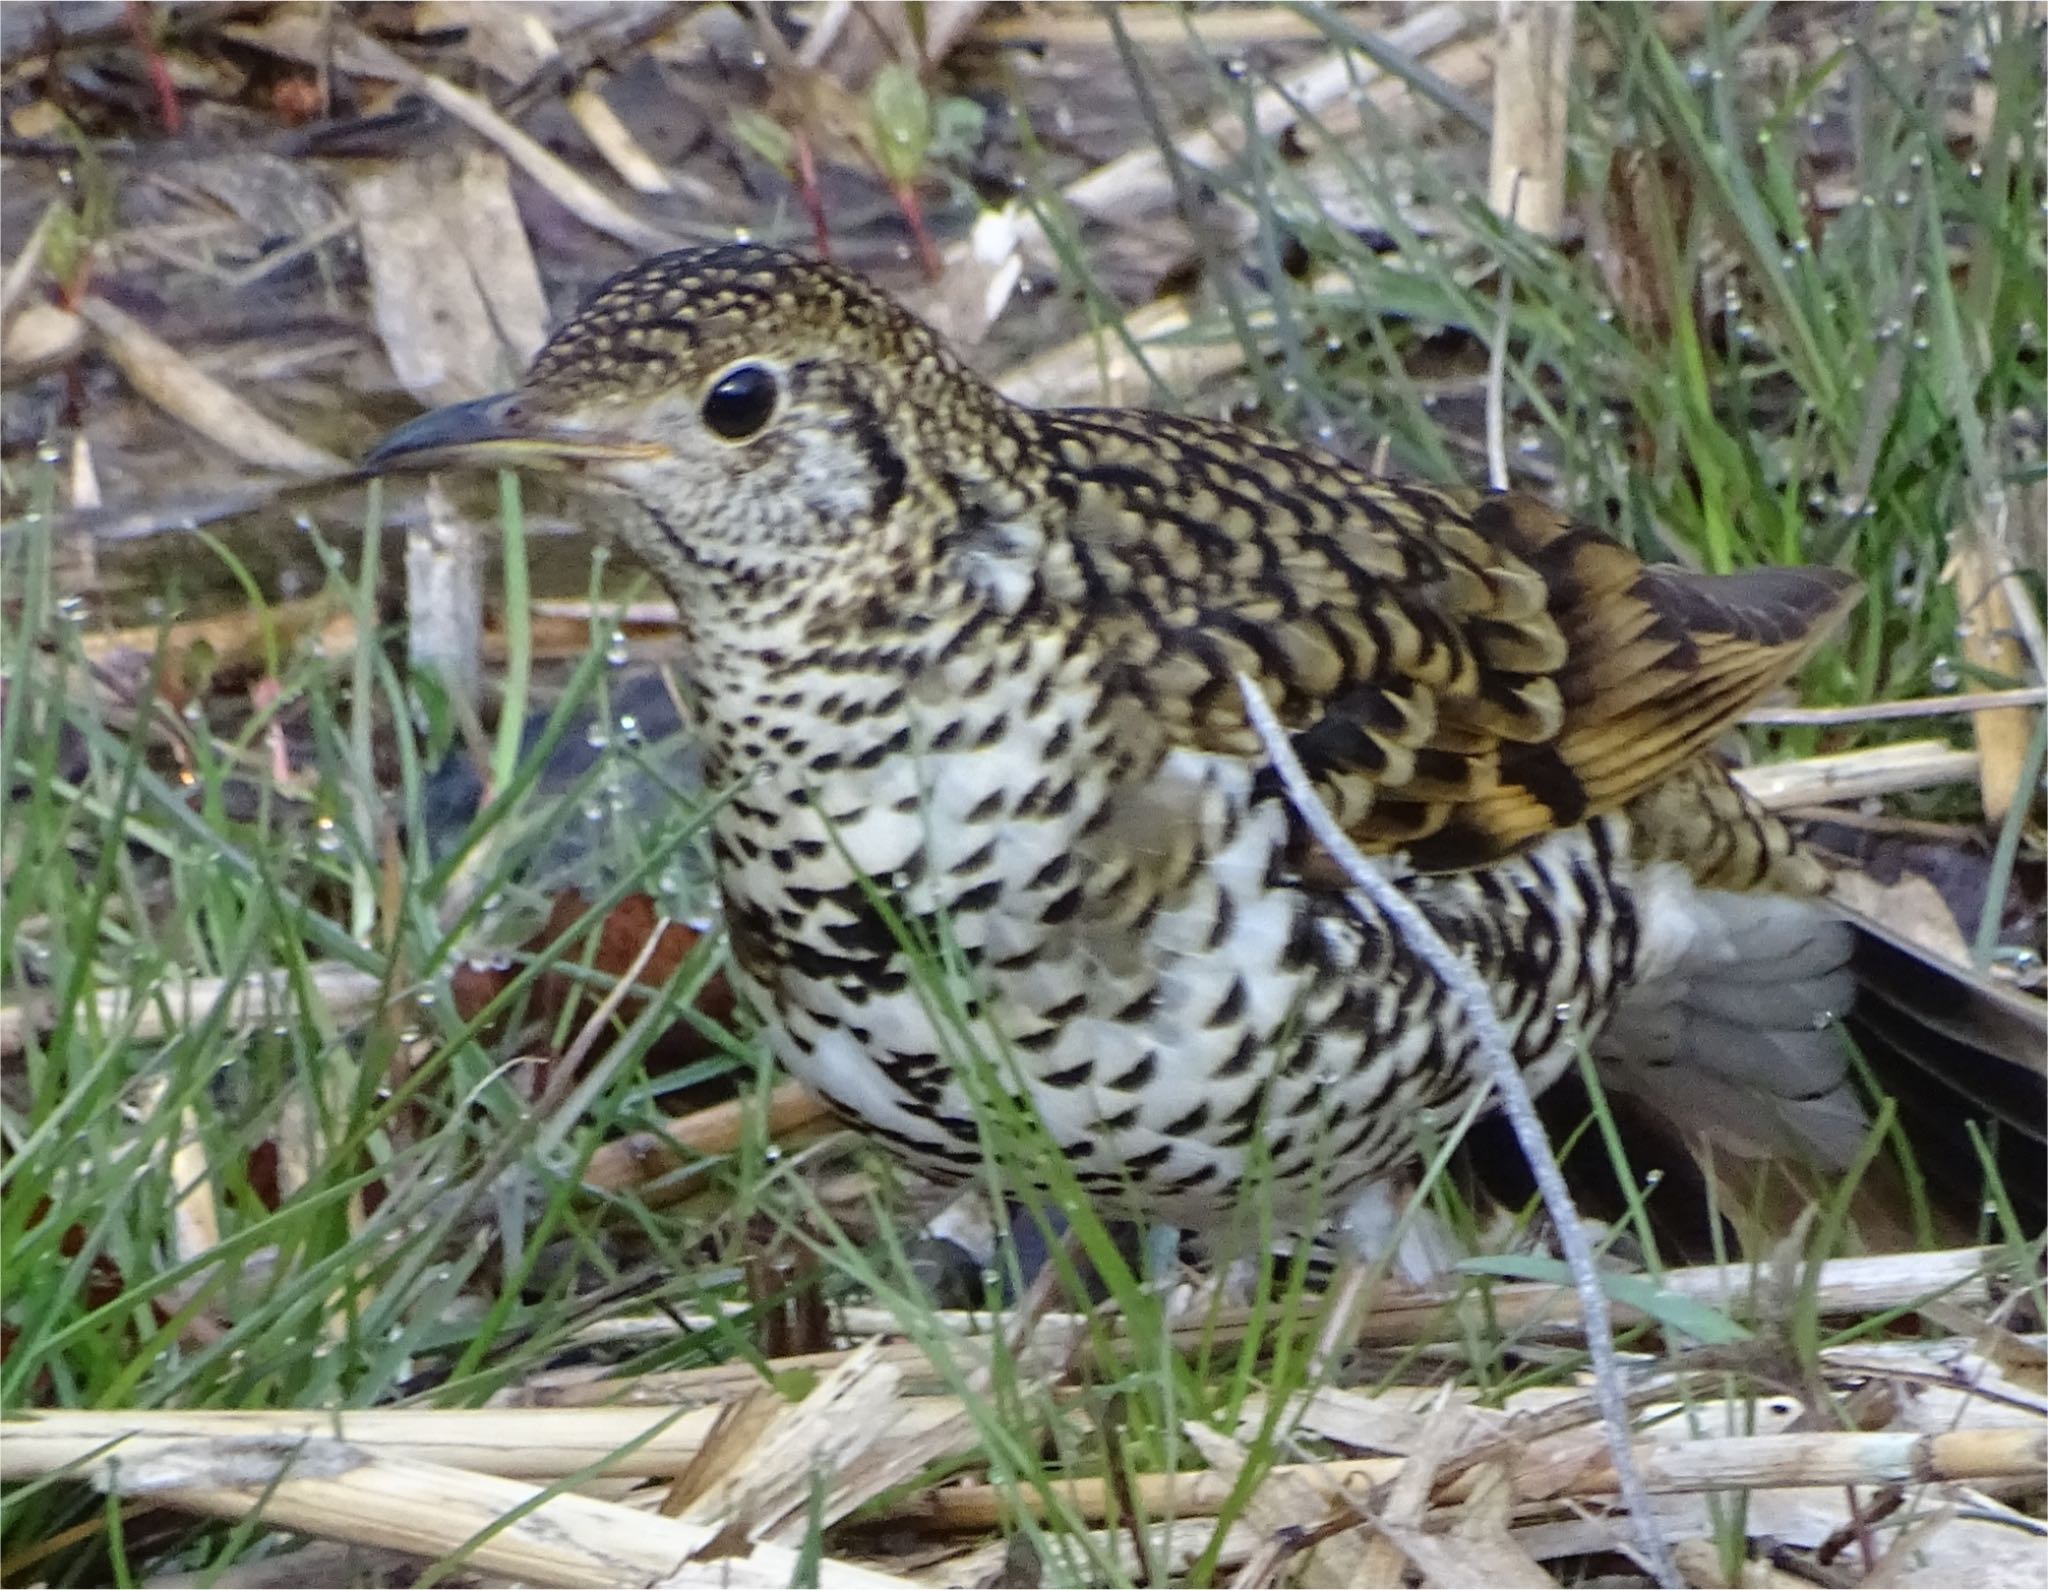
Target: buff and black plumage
971	665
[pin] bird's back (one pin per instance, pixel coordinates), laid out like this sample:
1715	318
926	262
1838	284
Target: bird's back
1462	671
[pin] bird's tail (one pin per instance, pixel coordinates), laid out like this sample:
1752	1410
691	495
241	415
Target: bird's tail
1729	1027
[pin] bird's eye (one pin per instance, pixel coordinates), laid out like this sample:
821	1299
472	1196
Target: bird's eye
740	402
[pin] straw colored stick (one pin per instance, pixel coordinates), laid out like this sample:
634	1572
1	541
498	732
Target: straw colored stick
540	1444
1530	100
643	1156
498	1527
1856	775
1978	701
185	392
1961	1277
342	992
1714	1464
569	188
1990	632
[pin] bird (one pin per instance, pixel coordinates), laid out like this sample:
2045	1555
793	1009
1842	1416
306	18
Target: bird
967	673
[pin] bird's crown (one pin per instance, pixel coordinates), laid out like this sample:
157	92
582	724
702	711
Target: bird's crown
688	315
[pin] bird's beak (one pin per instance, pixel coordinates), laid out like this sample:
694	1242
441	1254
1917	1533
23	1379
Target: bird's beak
499	432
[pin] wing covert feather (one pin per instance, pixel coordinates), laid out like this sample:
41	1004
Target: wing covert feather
1462	671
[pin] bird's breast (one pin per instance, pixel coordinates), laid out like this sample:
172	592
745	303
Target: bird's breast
872	790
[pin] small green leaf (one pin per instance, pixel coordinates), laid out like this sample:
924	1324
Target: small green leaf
1688	1316
767	137
957	127
901	112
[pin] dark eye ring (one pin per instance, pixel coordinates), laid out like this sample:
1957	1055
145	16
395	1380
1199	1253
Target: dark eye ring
740	401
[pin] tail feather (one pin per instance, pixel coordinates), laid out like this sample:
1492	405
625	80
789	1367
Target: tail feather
1729	1026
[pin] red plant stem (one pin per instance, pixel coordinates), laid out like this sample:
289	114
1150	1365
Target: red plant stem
808	192
913	212
168	110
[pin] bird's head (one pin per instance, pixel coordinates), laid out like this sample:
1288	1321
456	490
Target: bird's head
752	418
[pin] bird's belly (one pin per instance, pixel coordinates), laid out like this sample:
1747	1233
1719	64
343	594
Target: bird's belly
1184	1024
1149	1005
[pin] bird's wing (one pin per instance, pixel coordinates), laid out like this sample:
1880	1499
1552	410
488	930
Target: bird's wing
1462	671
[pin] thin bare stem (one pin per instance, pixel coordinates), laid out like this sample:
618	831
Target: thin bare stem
1377	895
1916	707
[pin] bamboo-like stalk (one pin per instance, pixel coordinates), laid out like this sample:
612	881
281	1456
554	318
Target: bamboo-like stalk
335	1489
1986	598
1711	1464
342	992
637	1436
1531	83
540	1444
1856	775
1976	701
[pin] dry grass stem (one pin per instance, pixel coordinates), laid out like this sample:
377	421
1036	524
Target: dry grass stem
444	586
21	270
189	395
329	1488
1377	897
1858	775
1719	1463
1989	639
1975	701
657	1426
524	1443
578	195
613	139
342	994
1530	100
644	1156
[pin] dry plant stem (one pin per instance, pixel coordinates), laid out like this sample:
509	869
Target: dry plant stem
1855	775
1964	1279
626	983
580	197
1142	179
1376	896
1496	388
329	1488
643	1156
444	595
614	140
1990	631
21	270
1530	100
651	1437
537	1444
178	387
1916	707
1723	1463
343	992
